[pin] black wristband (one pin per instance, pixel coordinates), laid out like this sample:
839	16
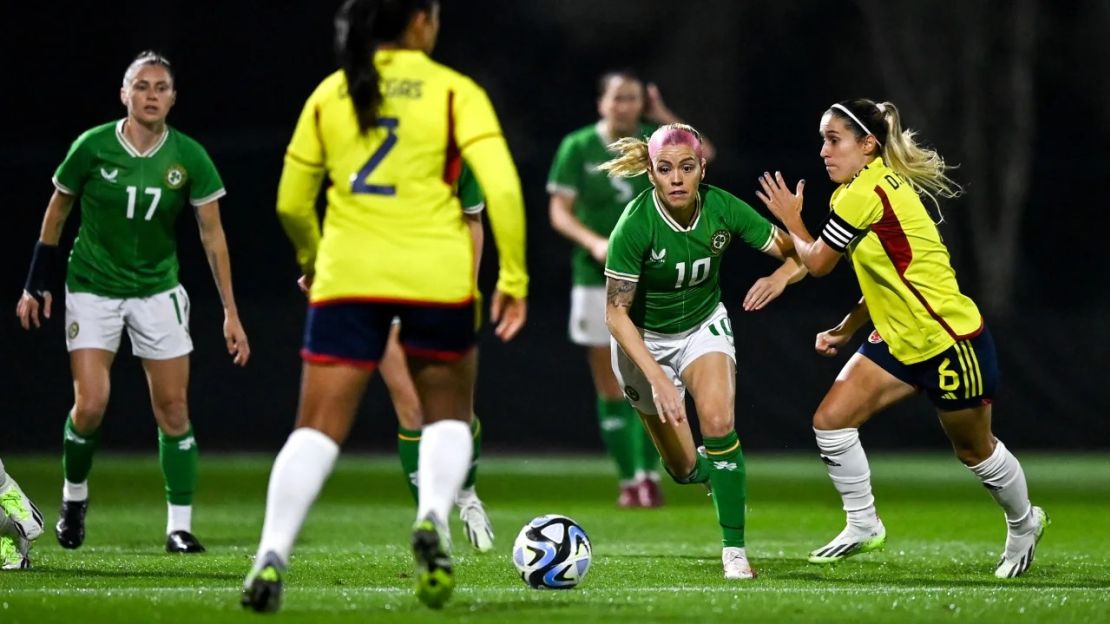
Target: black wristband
43	261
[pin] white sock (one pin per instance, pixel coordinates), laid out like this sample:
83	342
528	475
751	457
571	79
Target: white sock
1002	475
850	473
75	492
445	450
179	518
299	472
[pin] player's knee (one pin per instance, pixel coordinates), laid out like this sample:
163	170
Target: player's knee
825	419
971	454
409	416
88	410
715	421
172	414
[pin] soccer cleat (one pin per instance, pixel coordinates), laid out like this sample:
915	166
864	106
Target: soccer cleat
851	541
649	494
1020	548
476	523
70	529
183	542
26	518
735	561
14	553
435	578
629	496
262	589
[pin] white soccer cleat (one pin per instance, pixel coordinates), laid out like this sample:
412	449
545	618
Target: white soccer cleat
14	553
735	561
851	541
476	524
1020	547
26	518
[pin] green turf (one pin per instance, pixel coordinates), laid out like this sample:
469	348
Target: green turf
352	563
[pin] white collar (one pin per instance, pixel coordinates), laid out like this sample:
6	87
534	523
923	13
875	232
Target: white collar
669	220
131	149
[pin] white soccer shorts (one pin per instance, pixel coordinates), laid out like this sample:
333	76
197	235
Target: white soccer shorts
158	325
673	352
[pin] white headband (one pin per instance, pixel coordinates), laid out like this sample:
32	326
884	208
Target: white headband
858	122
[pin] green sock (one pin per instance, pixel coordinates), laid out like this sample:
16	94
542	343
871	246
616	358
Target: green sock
476	432
730	490
700	473
77	452
647	457
619	437
178	456
408	449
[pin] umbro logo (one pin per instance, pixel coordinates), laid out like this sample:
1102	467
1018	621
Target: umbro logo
725	465
109	175
658	257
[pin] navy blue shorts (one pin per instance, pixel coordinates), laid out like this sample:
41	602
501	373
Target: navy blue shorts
355	332
966	375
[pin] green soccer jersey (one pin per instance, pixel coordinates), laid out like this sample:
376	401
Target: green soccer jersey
469	192
677	269
126	246
598	199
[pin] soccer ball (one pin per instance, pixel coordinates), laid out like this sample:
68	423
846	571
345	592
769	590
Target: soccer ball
552	552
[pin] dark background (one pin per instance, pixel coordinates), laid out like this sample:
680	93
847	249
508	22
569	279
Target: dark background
1014	91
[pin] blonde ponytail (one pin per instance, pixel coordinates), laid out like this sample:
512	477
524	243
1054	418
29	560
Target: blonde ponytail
631	161
923	167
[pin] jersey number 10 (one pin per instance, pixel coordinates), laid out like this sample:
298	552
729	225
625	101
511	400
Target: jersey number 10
699	271
358	181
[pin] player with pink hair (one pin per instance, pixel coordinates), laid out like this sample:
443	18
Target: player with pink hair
670	329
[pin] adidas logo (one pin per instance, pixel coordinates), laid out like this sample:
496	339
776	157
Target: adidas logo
828	461
949	396
724	465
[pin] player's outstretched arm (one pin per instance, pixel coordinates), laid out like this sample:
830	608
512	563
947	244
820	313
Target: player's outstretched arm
36	295
560	211
767	289
215	249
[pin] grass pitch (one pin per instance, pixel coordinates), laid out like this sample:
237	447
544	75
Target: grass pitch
352	563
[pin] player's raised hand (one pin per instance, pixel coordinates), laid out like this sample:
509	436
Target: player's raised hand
829	342
236	338
508	314
776	195
28	309
668	401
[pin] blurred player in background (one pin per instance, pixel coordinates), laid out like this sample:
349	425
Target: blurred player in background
585	205
133	177
406	401
20	524
928	335
671	330
390	131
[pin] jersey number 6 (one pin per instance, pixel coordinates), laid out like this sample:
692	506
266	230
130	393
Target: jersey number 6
358	181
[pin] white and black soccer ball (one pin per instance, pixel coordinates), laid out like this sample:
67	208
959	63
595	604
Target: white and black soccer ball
552	552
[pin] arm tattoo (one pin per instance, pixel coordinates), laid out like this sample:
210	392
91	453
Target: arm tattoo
619	293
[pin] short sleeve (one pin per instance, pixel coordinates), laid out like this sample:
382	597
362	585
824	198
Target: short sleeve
205	185
469	192
628	244
70	176
749	225
566	169
851	215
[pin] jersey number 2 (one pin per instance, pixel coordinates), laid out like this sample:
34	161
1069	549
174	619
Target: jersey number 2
358	181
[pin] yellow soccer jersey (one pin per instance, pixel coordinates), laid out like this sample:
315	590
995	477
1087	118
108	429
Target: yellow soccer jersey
903	267
394	229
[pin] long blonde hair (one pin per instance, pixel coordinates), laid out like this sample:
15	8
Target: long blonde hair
634	155
924	168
